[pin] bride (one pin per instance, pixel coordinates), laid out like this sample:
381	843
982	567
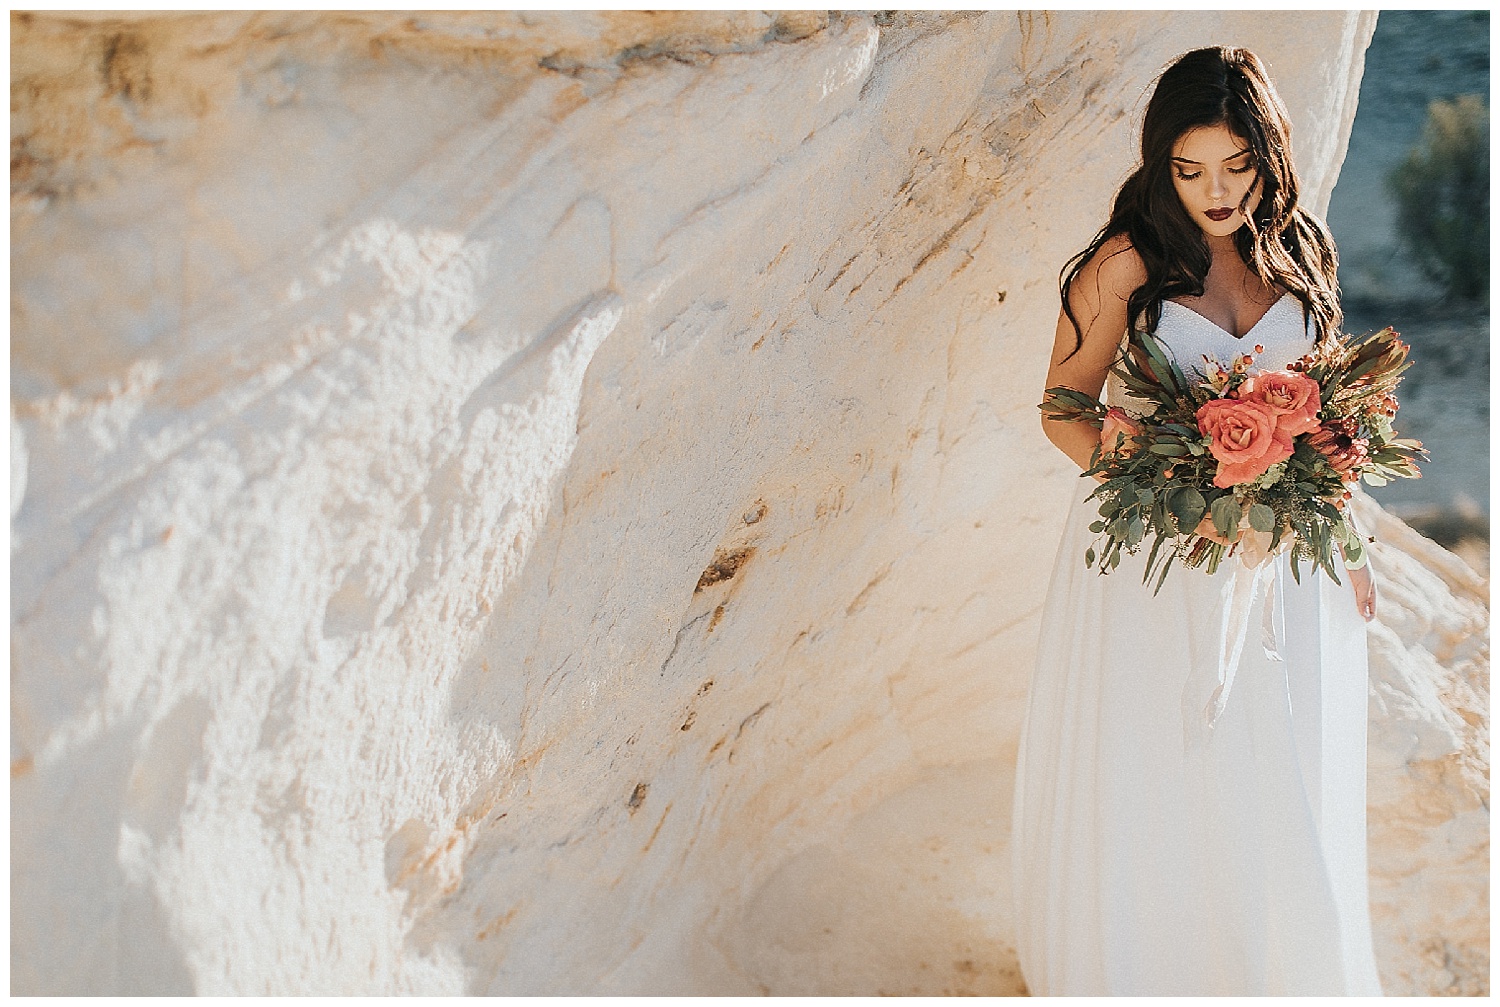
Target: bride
1160	849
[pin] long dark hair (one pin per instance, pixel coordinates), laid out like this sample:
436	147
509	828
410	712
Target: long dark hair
1281	242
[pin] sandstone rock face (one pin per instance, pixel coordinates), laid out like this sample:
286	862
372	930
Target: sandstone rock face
1429	766
554	503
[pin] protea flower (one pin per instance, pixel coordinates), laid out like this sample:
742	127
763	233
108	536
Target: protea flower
1339	442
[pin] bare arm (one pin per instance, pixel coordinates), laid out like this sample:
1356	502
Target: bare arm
1100	296
1362	577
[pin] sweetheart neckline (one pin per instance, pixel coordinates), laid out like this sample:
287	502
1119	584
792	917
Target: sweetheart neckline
1221	328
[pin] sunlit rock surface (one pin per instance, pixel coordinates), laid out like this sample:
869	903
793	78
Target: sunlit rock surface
554	503
1429	766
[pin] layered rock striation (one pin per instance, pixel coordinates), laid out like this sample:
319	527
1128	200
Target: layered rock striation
553	503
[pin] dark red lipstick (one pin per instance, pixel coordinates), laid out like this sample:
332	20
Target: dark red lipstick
1219	213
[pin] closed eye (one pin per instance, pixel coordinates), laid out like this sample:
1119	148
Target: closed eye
1186	177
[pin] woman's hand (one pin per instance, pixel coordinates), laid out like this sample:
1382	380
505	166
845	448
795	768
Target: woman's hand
1363	581
1207	530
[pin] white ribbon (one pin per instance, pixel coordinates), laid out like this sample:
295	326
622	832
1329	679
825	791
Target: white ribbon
1206	692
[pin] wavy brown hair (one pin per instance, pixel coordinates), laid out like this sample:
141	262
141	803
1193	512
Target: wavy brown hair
1281	242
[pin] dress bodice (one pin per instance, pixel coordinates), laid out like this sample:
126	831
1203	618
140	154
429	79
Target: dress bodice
1282	332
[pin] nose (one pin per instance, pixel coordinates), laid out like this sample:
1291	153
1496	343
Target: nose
1217	186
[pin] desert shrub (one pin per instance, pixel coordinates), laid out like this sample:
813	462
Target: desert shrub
1442	192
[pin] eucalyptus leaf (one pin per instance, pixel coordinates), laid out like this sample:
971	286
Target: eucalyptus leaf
1226	514
1262	518
1333	575
1166	373
1162	579
1186	505
1353	550
1151	558
1326	509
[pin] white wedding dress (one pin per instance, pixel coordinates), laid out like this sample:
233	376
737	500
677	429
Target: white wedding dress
1155	854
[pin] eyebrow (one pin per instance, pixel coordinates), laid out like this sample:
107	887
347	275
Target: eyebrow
1231	157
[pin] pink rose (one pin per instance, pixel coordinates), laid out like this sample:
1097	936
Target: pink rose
1292	397
1119	430
1246	439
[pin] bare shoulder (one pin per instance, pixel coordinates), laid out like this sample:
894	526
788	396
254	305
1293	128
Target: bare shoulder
1106	279
1116	267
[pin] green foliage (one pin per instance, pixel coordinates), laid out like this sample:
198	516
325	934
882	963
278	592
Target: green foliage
1159	482
1442	192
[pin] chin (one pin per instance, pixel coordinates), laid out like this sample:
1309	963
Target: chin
1220	229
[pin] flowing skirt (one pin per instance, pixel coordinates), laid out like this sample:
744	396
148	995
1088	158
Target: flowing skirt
1145	864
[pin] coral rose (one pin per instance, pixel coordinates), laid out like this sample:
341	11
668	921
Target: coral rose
1120	428
1246	439
1292	397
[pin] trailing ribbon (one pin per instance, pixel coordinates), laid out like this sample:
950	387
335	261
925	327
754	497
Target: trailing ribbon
1206	693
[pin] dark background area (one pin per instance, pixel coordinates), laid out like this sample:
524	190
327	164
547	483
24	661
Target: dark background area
1417	57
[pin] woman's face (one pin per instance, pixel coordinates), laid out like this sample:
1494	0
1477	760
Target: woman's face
1212	170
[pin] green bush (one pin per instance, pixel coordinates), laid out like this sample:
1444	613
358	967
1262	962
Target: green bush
1442	192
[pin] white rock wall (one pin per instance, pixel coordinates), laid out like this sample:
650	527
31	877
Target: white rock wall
554	503
1429	766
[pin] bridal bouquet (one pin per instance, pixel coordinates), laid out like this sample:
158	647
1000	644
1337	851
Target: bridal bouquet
1267	455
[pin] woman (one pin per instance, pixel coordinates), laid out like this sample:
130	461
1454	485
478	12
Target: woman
1154	855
